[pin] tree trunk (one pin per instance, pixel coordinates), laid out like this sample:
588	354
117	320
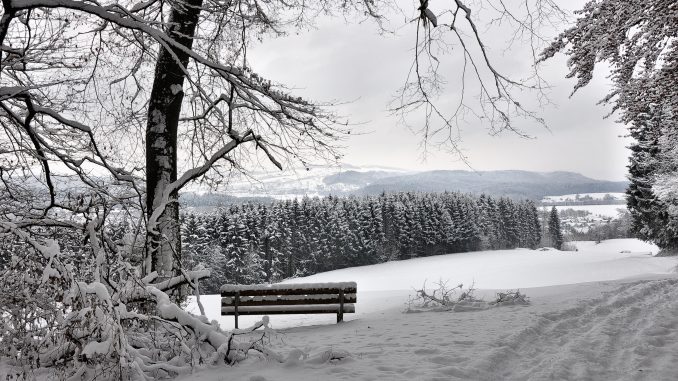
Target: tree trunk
269	258
164	240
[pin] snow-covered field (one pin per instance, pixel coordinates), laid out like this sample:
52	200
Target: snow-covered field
605	211
609	196
606	312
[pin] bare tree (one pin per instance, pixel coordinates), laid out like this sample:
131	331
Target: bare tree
68	61
102	102
75	107
86	66
487	95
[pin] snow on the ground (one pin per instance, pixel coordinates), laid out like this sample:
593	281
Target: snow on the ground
613	246
606	312
498	269
606	211
493	270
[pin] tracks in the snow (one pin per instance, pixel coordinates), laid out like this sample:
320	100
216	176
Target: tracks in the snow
630	333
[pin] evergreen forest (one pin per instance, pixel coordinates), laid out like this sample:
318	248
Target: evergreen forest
258	243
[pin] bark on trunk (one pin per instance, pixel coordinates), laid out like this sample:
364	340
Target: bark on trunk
164	246
269	258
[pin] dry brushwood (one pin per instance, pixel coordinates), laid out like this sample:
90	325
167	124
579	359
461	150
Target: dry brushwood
444	298
441	297
510	297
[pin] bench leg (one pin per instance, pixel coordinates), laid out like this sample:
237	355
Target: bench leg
237	302
340	314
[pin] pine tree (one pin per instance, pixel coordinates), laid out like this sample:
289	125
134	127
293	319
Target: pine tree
509	228
254	267
268	244
650	218
210	249
189	241
401	229
412	219
446	228
238	251
555	233
473	236
457	231
283	243
488	223
636	41
376	232
535	227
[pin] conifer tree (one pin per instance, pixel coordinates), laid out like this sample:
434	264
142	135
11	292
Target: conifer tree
473	235
535	227
376	231
555	233
649	214
635	41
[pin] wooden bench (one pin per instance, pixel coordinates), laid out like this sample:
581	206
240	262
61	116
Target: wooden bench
279	299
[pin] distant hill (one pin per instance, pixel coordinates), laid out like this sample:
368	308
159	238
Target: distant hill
356	177
349	180
519	184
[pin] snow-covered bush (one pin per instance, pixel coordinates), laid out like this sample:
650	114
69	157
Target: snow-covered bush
568	246
99	319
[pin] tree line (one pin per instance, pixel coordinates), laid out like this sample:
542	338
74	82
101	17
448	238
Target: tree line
258	243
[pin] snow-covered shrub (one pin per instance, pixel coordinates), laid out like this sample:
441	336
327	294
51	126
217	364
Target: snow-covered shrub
568	246
98	319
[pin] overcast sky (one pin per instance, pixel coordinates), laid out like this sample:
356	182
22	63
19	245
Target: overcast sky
351	62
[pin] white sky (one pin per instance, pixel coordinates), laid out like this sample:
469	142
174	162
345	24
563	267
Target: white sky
340	61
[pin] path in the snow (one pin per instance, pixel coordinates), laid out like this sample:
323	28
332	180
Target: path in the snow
630	333
595	331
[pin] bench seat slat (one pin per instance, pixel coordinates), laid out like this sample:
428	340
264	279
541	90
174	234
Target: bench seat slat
291	291
287	300
288	286
280	310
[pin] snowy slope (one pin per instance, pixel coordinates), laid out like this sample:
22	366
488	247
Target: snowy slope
622	325
500	269
488	270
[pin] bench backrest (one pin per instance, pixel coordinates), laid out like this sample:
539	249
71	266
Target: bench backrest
303	298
